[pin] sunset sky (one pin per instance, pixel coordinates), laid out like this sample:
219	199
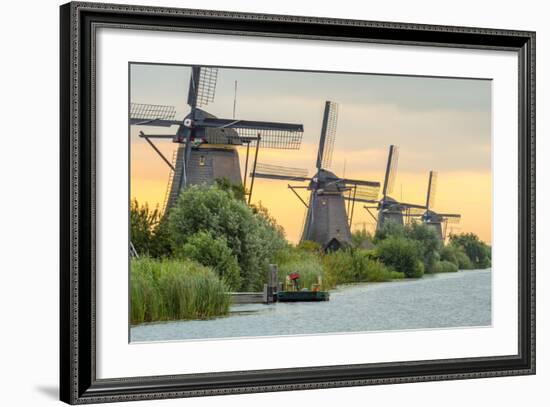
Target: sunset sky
439	124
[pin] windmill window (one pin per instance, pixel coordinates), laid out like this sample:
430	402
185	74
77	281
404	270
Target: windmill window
202	161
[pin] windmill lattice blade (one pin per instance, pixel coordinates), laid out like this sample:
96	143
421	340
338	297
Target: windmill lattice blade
270	169
415	211
207	86
148	112
392	169
330	134
275	139
432	189
453	220
364	192
451	217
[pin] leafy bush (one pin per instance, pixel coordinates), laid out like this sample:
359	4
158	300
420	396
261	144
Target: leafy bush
310	246
213	252
252	236
339	268
477	251
429	243
401	254
173	289
361	237
237	190
353	266
148	232
390	229
445	266
456	255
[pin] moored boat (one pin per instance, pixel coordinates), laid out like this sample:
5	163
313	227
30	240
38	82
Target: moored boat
295	296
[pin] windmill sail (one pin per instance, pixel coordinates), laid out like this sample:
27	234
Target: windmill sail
432	189
362	191
152	115
328	135
391	169
451	217
202	86
284	136
269	171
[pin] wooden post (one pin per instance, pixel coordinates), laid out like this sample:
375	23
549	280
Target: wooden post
272	282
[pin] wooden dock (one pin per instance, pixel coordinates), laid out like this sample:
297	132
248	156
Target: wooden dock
267	296
247	298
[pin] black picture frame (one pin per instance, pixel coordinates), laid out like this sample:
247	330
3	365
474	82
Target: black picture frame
78	382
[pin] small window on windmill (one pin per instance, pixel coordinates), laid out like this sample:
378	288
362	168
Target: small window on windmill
324	202
202	161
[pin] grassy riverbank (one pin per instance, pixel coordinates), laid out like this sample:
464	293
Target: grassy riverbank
164	290
212	242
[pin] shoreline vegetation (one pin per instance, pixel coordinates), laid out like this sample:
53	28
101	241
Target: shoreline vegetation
211	243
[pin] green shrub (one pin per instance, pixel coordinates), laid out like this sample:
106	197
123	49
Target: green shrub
449	253
148	231
310	246
338	267
251	234
390	229
456	255
213	252
354	266
445	266
429	243
361	237
464	262
174	289
477	251
402	255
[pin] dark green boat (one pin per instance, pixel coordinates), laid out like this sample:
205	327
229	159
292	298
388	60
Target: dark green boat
295	296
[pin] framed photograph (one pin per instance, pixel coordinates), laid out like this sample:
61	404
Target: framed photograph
255	203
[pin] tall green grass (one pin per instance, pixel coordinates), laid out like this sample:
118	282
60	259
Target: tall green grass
306	262
175	289
354	266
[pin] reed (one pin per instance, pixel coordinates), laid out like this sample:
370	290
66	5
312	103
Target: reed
355	266
303	261
164	290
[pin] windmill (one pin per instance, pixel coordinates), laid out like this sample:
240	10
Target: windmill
327	221
389	209
207	144
438	221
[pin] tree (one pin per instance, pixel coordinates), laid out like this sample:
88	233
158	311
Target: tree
143	222
401	254
361	237
252	236
225	184
213	252
389	229
428	243
477	251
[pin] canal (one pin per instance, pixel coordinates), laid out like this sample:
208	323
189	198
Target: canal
460	299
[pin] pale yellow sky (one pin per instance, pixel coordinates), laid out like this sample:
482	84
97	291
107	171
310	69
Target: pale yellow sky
439	124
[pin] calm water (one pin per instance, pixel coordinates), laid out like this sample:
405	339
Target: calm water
445	300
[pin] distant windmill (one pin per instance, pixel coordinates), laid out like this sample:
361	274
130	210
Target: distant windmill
389	209
326	220
207	148
438	221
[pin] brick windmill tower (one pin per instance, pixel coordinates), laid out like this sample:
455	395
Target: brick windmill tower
327	221
390	210
435	220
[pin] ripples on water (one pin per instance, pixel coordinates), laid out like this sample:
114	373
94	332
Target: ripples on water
460	299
